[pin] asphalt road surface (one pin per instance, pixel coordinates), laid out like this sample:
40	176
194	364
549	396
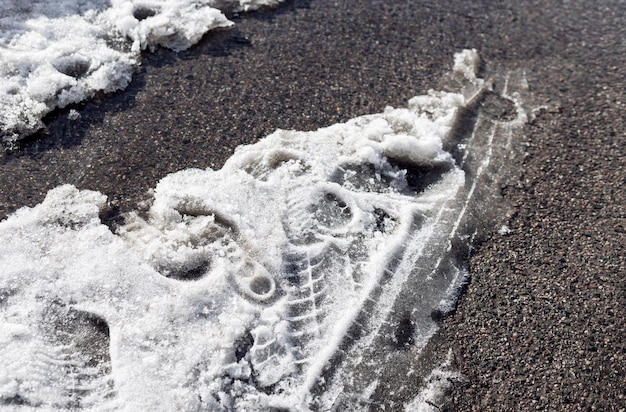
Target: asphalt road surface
541	325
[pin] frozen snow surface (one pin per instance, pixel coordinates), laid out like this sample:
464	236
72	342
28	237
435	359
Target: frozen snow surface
303	275
57	52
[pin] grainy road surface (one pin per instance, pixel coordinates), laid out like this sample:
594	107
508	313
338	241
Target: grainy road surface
543	322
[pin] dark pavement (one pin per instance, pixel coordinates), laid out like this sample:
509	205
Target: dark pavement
542	325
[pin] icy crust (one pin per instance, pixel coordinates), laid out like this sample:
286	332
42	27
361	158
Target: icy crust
241	285
56	53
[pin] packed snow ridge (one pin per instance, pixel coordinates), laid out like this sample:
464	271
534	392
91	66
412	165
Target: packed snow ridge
55	53
299	276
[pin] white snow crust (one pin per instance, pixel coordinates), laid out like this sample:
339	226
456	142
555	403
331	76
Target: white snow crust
241	286
55	53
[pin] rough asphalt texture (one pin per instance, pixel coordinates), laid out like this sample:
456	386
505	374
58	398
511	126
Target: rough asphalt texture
542	325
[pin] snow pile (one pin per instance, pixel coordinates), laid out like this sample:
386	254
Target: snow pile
267	283
56	53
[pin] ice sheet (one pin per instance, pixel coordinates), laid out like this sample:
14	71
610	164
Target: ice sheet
268	283
55	53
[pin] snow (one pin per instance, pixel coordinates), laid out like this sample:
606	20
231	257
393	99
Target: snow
242	287
55	53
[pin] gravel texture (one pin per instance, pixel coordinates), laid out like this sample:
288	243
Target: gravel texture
542	325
